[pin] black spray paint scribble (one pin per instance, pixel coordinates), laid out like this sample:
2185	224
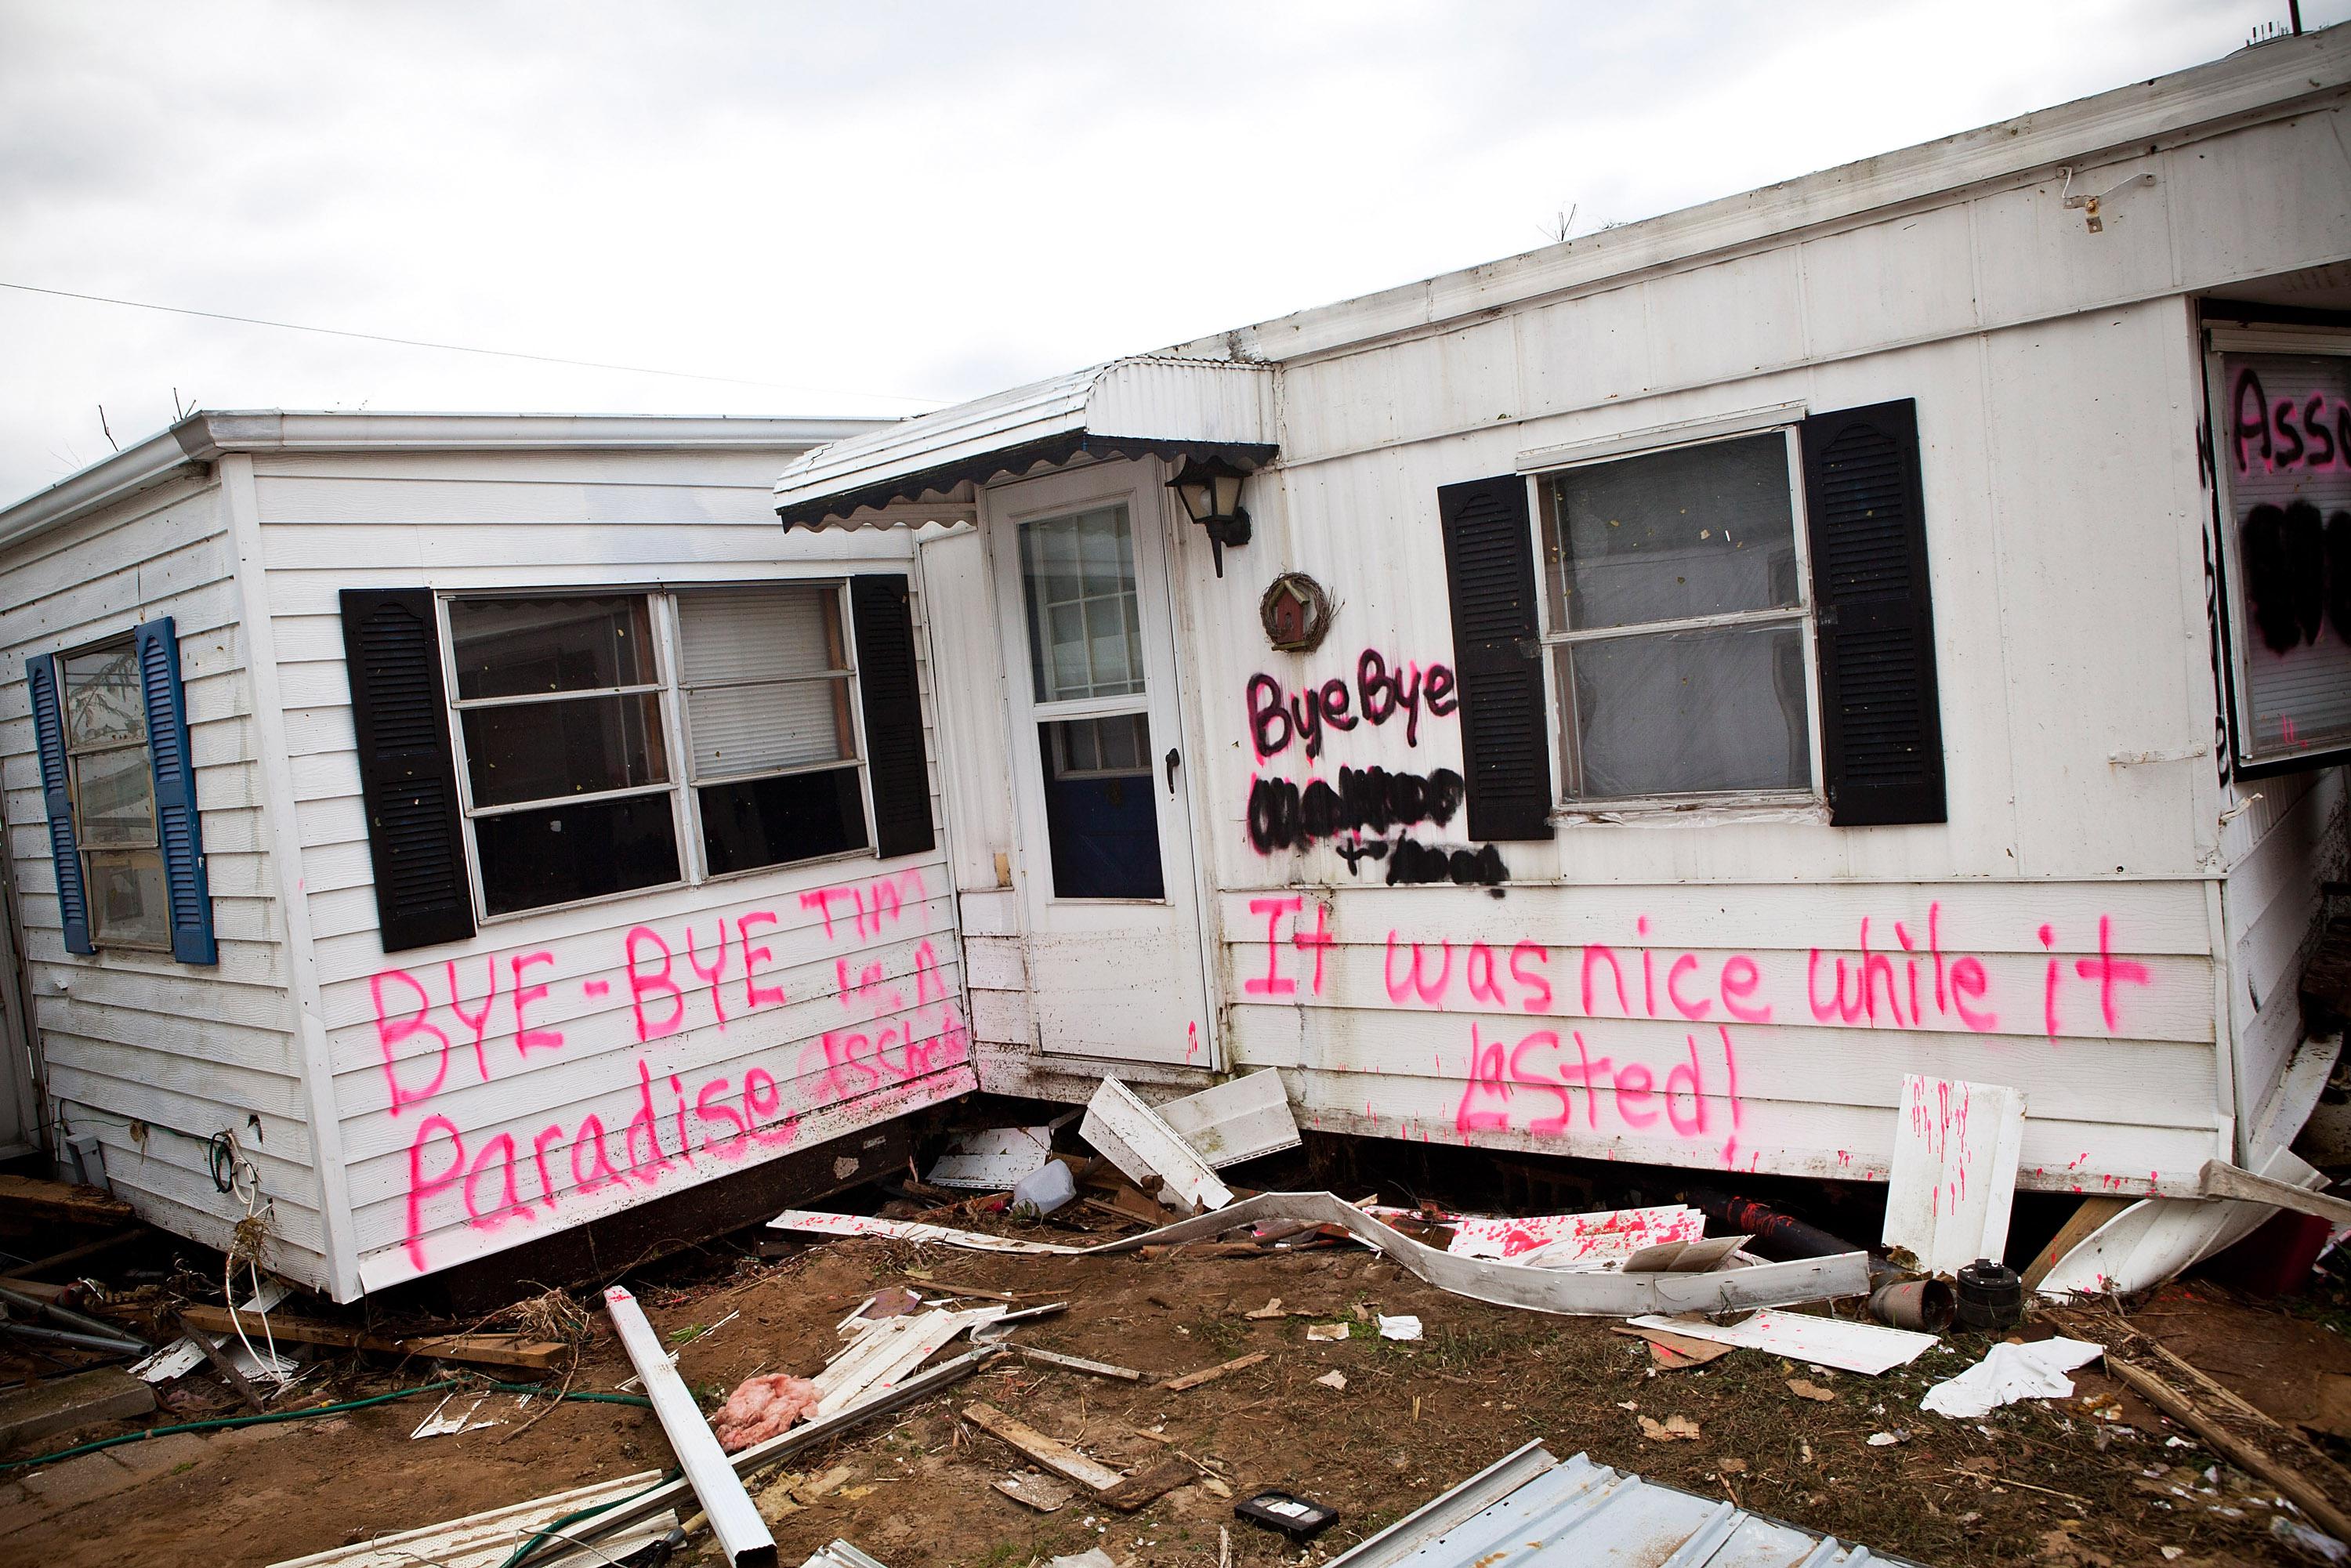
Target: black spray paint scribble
1368	800
2286	553
1410	861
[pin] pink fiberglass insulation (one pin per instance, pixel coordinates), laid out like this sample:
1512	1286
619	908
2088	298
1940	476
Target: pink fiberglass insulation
762	1408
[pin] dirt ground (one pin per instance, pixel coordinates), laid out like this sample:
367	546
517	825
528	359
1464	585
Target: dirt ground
2057	1483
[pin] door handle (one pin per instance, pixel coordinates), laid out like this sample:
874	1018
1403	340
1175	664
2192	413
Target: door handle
1173	757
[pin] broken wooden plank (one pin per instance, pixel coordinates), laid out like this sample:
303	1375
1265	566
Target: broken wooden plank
220	1360
2221	1179
1057	1456
2088	1216
485	1349
83	1253
1211	1373
28	1197
1079	1364
1149	1484
2240	1451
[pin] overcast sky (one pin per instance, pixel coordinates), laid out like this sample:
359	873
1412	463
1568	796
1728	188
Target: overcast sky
875	207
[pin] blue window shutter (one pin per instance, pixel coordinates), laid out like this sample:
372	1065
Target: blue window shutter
49	738
177	825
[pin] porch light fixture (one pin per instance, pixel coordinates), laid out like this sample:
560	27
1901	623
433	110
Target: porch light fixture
1210	490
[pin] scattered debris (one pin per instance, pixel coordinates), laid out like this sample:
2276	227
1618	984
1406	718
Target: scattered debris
1211	1373
1327	1331
1989	1298
1301	1518
1272	1309
439	1425
742	1534
1801	1336
1048	1187
1887	1439
1333	1379
760	1407
2226	1423
1804	1389
1920	1305
1045	1493
1673	1429
1242	1119
1561	1241
1684	1256
841	1554
2154	1238
1671	1351
991	1160
487	1540
1402	1326
1057	1456
1149	1484
887	1351
2009	1373
1130	1135
1595	1293
480	1349
1953	1177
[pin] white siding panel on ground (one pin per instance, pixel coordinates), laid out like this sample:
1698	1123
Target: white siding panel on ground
2269	908
154	1056
561	1066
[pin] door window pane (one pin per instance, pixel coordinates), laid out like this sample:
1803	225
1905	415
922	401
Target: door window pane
114	797
1680	712
2286	423
791	817
514	647
1102	809
128	905
1084	630
581	746
1697	530
102	698
531	859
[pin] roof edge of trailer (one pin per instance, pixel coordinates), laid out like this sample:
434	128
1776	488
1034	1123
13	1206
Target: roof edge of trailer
2260	82
188	445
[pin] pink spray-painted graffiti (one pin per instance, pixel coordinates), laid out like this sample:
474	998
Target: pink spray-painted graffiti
893	1031
1526	1082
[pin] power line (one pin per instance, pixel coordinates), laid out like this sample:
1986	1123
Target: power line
455	347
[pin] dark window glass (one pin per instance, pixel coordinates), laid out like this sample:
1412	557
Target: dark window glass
580	746
1101	819
792	817
531	859
518	647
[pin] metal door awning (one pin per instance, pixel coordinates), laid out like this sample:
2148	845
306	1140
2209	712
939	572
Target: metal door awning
930	469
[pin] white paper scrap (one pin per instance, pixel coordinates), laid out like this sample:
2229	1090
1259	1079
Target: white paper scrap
1401	1327
2010	1373
1800	1336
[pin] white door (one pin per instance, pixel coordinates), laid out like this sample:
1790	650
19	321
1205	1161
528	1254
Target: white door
1100	776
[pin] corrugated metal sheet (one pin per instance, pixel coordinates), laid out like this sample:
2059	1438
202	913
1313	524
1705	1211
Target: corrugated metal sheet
1126	408
1530	1508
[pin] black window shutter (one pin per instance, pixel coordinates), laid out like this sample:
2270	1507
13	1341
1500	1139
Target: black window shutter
179	827
1489	563
408	776
57	794
1881	728
892	703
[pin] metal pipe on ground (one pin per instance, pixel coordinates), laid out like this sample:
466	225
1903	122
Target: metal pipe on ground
72	1319
80	1341
1779	1235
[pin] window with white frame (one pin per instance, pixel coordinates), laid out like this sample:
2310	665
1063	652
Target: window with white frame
617	741
113	793
1677	623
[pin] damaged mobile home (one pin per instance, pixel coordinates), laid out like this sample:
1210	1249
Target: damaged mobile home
433	833
1642	699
